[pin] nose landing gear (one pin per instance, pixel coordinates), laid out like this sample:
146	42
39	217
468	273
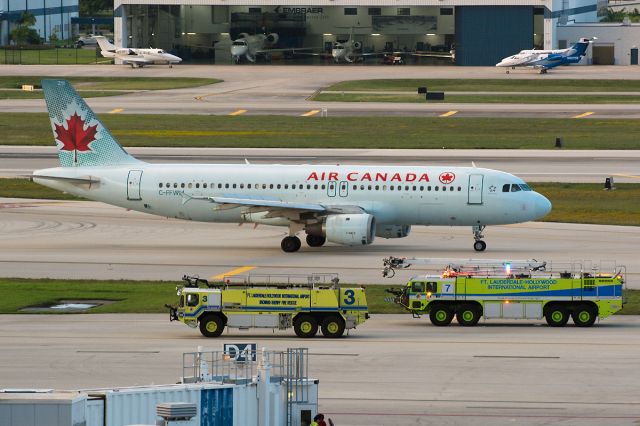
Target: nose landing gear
479	245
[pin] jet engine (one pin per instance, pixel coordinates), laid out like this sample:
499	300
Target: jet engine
243	35
392	231
346	229
357	45
272	38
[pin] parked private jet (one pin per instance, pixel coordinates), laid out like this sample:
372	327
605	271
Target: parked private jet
136	57
546	59
342	204
250	46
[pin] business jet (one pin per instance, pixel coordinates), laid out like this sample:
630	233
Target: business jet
250	46
544	60
343	204
137	58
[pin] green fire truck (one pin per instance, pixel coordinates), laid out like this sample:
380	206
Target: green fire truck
523	289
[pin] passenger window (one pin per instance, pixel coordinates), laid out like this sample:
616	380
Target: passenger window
315	186
417	287
286	186
248	186
190	185
204	185
175	185
505	187
278	186
197	185
160	185
515	187
226	185
182	185
192	299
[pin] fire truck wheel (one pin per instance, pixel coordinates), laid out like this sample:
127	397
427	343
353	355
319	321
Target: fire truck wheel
468	315
557	316
441	315
332	326
584	315
315	240
305	326
211	326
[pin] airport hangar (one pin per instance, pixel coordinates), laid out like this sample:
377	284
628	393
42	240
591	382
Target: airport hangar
481	32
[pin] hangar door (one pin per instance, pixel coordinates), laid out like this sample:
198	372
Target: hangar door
486	34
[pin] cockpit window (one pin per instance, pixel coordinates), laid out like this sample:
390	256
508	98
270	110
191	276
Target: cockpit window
239	43
160	51
506	187
525	187
515	187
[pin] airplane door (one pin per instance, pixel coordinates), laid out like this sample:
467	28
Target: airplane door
331	188
344	188
475	189
133	185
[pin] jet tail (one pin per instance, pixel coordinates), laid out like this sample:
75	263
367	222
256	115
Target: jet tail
580	47
104	44
81	139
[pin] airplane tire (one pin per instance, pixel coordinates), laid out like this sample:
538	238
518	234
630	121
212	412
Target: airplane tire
290	244
315	240
479	245
440	315
211	325
584	315
305	326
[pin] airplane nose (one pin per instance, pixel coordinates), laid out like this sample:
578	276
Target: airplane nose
542	206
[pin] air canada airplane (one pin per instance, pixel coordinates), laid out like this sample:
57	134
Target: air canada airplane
342	204
136	57
546	59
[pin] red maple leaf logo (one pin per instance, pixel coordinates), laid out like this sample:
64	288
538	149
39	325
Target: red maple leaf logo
75	137
447	177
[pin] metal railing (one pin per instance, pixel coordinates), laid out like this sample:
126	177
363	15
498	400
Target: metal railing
50	56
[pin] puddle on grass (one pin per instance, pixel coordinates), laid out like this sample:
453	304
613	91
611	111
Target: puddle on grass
67	306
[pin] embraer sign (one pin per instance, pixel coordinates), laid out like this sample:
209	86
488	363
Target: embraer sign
302	10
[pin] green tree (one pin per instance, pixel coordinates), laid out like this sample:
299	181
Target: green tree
23	33
94	7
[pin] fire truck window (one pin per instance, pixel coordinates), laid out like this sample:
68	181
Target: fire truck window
432	287
182	300
192	299
417	287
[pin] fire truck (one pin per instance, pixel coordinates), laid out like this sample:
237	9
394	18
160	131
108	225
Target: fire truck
276	302
521	289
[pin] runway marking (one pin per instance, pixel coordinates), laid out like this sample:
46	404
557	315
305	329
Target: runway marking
310	113
627	176
232	272
448	114
116	110
238	112
586	114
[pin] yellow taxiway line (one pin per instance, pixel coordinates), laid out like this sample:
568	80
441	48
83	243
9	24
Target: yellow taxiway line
627	176
310	113
115	111
232	272
586	114
448	114
238	112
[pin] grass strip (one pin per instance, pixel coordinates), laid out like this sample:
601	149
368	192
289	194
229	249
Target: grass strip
52	57
111	83
345	132
590	203
507	84
485	99
150	296
572	202
38	94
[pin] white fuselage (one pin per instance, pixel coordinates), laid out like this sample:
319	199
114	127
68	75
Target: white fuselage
394	195
248	47
145	56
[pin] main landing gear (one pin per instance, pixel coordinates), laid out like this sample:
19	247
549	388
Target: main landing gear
290	244
479	245
543	71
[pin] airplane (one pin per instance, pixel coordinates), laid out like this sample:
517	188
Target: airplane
546	59
137	58
344	204
250	46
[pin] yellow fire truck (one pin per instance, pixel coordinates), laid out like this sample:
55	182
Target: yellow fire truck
244	303
528	289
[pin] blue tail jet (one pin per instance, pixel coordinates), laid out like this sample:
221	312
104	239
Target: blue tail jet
546	59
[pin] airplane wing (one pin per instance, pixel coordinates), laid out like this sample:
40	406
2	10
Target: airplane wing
290	49
277	208
136	59
426	54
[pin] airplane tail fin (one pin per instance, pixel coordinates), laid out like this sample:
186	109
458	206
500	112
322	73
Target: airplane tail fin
81	139
581	47
104	44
